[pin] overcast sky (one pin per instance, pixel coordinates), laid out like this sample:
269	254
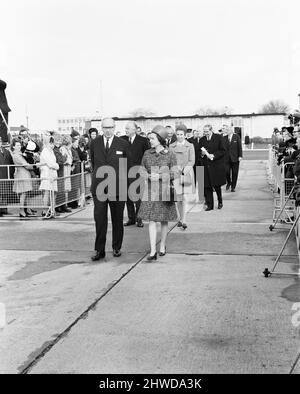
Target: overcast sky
170	56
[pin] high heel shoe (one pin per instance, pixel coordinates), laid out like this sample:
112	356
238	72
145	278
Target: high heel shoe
154	257
163	253
184	226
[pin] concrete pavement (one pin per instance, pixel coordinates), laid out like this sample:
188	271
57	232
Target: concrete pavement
205	307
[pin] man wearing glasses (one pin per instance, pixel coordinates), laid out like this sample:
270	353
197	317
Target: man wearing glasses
109	155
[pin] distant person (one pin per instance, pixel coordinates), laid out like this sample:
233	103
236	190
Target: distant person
22	176
195	140
74	194
171	136
137	147
189	134
93	133
212	153
247	141
66	151
5	173
48	170
233	156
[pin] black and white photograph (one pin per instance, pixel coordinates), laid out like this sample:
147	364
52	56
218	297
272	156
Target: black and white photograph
150	190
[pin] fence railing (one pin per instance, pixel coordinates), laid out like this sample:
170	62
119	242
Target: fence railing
33	192
282	184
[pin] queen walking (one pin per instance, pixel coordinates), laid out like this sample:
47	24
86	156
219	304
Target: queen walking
158	168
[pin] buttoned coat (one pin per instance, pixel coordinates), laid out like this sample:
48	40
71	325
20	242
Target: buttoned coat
119	149
233	148
6	159
154	206
214	170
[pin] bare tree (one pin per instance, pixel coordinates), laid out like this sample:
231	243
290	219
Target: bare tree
274	106
213	111
141	112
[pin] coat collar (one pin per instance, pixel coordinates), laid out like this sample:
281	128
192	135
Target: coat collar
163	152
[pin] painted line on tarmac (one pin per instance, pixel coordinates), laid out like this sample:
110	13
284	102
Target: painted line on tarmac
82	316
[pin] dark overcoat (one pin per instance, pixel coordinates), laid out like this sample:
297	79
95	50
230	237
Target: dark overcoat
214	170
233	148
119	149
6	159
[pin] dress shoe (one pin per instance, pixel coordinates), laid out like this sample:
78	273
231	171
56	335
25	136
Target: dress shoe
129	223
208	209
228	186
154	257
116	253
179	224
23	215
184	226
97	256
233	189
220	205
139	223
162	253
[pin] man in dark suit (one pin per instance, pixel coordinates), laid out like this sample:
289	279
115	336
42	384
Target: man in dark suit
5	173
138	146
233	156
171	136
109	155
212	153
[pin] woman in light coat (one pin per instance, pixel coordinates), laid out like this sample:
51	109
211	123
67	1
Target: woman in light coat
48	171
184	185
66	151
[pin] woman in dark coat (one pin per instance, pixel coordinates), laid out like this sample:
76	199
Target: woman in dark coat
212	155
5	173
74	195
158	163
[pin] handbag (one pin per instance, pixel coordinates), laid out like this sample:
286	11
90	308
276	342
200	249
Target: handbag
185	179
172	193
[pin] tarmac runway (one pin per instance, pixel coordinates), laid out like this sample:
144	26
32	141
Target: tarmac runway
205	307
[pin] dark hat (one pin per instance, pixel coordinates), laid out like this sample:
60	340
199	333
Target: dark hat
23	128
160	131
162	134
74	133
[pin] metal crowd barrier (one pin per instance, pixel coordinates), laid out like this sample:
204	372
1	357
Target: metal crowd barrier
285	209
27	193
284	203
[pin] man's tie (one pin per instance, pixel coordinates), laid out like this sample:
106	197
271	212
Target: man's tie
107	145
130	140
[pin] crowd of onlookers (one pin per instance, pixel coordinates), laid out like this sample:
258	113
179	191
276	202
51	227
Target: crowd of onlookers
286	143
48	164
52	160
